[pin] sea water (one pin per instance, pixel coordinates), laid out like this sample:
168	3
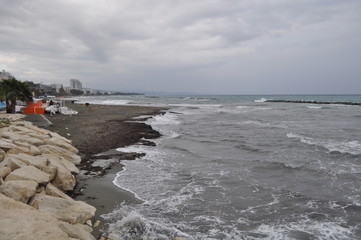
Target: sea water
237	167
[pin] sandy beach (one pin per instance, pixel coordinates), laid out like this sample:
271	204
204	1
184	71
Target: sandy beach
97	130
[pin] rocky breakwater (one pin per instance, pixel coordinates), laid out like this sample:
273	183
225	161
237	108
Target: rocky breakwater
37	167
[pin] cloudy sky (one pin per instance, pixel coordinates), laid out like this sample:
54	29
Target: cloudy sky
201	46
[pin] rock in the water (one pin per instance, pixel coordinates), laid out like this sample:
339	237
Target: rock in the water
9	203
70	211
29	173
19	190
23	224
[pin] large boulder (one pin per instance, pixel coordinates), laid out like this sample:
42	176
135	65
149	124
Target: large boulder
23	224
63	179
6	144
29	160
65	210
31	140
76	231
2	154
13	136
68	155
38	162
51	190
53	159
19	190
12	163
9	203
29	173
4	171
60	143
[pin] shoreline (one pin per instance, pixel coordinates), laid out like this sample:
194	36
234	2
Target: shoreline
97	130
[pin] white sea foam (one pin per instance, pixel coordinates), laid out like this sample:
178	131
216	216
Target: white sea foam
350	147
314	107
261	100
126	223
306	229
104	102
165	119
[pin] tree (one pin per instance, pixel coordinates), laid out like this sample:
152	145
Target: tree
12	90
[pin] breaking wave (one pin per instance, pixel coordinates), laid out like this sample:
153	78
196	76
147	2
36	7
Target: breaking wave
333	145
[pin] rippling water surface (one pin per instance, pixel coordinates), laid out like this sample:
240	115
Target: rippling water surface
236	167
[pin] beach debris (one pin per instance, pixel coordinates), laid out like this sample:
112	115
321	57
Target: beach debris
97	223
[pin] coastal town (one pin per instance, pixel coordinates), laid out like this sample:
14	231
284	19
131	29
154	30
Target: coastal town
75	88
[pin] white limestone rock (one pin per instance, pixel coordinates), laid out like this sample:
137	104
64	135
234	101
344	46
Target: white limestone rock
6	144
70	211
9	203
51	190
56	158
22	224
76	231
29	173
19	190
12	163
31	140
29	160
2	155
4	171
63	179
55	141
68	155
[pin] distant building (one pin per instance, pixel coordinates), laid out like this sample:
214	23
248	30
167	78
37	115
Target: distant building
90	91
67	89
75	84
5	75
57	87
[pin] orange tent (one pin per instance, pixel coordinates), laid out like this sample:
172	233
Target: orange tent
34	107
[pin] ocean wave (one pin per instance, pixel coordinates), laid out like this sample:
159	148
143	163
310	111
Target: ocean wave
165	119
126	223
314	107
261	100
105	102
332	145
304	229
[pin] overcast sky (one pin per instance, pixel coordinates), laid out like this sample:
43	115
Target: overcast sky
202	46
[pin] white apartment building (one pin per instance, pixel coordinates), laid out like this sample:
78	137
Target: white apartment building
75	84
57	87
5	75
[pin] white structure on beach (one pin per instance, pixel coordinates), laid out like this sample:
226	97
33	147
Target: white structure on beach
75	84
5	75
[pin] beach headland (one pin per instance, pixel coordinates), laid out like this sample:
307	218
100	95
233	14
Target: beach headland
96	131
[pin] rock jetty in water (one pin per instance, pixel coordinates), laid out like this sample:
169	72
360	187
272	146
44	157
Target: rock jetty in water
314	102
37	167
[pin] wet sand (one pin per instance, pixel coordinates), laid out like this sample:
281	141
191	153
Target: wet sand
97	130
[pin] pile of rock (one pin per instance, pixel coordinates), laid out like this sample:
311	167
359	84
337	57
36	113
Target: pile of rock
36	168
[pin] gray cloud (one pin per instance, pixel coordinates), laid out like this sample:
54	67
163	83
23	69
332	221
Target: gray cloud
224	46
